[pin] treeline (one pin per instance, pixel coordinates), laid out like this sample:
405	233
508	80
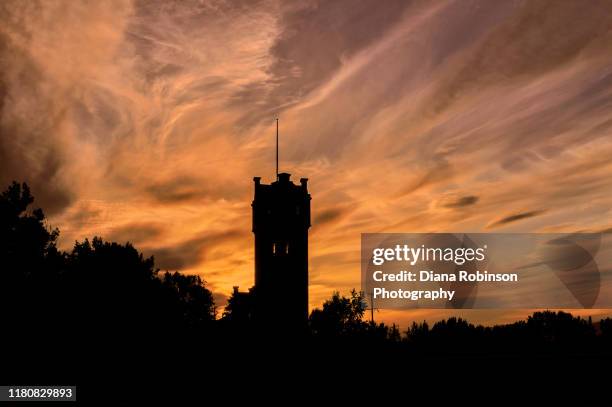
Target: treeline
105	293
98	288
543	333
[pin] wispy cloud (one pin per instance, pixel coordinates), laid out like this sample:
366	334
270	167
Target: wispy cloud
412	116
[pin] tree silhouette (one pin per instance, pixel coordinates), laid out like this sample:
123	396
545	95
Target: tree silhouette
339	316
27	246
605	326
103	294
31	262
418	332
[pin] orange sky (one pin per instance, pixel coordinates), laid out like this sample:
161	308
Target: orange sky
147	120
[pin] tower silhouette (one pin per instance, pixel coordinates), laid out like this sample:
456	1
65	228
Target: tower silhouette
281	219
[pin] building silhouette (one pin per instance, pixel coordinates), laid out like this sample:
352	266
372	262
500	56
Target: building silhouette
281	219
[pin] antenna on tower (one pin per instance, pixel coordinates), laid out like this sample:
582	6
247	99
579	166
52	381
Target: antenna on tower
277	148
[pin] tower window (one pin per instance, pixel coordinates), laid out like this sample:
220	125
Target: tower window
280	248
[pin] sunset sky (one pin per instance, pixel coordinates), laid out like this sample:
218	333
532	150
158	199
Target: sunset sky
145	121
